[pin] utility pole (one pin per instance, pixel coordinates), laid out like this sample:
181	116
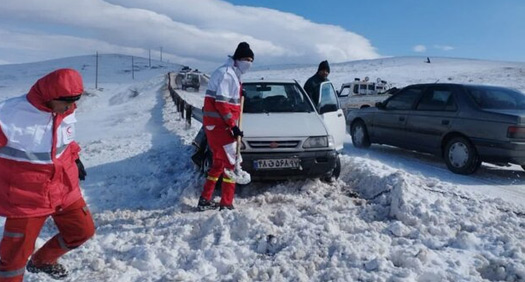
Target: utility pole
132	69
161	53
96	72
150	57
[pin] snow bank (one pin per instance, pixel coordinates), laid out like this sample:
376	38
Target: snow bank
412	220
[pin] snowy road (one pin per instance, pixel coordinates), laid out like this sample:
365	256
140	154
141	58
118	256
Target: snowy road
414	220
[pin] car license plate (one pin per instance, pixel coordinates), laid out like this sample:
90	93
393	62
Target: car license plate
276	163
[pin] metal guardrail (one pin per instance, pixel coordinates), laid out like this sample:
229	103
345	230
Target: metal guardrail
186	110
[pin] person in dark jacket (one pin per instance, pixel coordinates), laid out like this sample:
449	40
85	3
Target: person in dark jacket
312	84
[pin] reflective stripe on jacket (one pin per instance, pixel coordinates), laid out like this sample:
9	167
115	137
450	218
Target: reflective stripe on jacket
222	100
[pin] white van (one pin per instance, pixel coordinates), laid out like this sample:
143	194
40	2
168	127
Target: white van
363	93
364	87
285	135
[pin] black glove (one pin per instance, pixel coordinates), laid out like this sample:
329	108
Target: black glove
81	170
237	132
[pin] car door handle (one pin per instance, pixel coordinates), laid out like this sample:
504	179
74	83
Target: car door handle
401	118
445	122
339	115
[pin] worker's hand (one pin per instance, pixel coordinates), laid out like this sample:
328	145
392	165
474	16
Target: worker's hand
237	132
81	170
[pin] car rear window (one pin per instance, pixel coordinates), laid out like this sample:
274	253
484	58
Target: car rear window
490	97
275	98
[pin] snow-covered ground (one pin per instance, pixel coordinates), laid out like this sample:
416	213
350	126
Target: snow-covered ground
414	220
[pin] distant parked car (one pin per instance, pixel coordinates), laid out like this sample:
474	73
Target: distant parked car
464	124
188	79
285	136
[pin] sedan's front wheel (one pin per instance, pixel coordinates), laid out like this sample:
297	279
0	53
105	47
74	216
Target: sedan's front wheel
207	162
359	134
334	175
461	156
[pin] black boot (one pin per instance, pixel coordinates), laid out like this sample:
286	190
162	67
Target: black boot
57	271
204	204
230	207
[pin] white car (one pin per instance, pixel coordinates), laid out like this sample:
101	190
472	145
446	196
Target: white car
363	93
285	135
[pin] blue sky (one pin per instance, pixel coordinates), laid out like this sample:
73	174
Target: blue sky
202	33
482	29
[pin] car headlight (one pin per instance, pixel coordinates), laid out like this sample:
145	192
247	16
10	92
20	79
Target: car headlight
331	142
316	142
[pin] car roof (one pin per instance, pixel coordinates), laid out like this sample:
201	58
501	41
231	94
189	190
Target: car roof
456	84
436	84
264	80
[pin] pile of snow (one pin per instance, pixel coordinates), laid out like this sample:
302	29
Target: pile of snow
412	220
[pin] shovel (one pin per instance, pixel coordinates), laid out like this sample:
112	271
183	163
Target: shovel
237	174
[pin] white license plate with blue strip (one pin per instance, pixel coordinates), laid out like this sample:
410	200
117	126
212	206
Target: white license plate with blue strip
277	164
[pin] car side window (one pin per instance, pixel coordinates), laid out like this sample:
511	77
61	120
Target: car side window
404	100
328	102
437	99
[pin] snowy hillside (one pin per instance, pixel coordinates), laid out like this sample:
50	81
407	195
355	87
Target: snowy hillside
401	71
414	220
112	69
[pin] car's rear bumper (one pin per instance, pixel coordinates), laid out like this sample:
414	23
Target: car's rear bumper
313	165
501	152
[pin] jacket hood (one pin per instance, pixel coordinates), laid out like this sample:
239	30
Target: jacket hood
230	62
59	83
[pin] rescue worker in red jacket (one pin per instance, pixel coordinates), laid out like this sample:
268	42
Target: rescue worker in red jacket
220	115
39	176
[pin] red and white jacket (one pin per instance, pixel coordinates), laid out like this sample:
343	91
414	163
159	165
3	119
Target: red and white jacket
38	174
222	103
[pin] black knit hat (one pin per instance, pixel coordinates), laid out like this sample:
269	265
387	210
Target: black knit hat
324	66
243	51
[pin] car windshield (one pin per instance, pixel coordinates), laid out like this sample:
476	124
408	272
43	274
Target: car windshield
275	98
490	97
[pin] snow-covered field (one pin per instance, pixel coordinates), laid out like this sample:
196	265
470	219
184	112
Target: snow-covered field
414	220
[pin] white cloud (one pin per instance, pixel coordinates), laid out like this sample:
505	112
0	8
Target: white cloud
444	47
37	47
419	48
204	31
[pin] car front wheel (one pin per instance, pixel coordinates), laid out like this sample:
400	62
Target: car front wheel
334	175
461	156
359	134
207	162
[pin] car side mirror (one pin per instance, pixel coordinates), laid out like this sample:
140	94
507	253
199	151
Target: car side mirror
380	105
328	108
